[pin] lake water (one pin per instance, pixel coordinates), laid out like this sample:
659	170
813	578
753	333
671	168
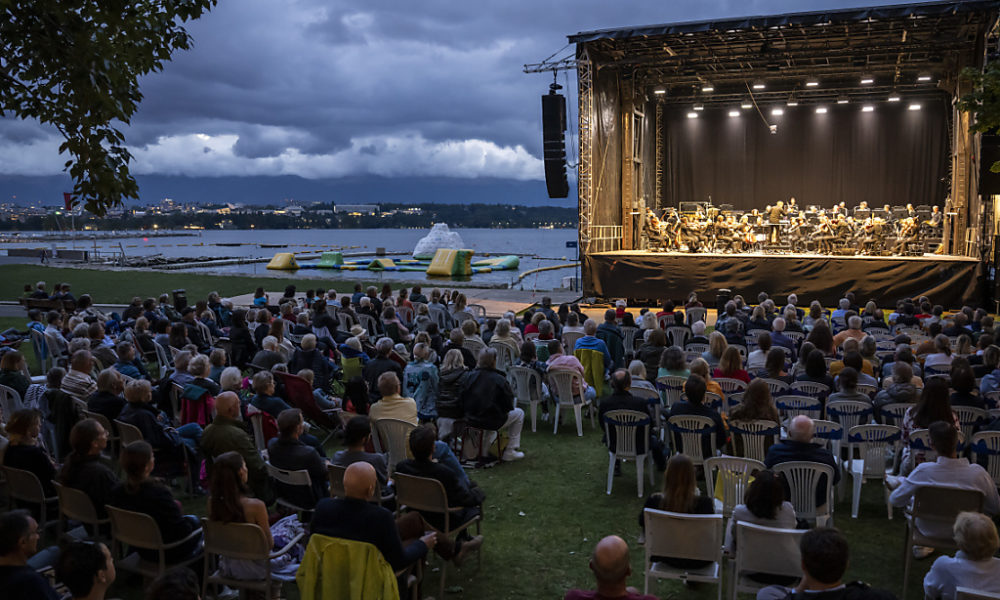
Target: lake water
538	247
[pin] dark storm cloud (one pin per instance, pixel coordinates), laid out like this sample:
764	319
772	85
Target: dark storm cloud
329	89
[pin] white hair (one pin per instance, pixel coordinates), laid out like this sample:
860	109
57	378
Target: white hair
778	325
269	343
698	327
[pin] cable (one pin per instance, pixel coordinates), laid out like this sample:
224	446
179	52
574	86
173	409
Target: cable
754	100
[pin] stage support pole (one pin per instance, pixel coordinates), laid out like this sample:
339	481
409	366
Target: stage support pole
658	128
627	95
585	189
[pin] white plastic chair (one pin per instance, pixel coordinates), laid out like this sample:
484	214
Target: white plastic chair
733	474
987	444
10	401
804	479
811	388
751	439
40	347
699	348
505	356
696	313
691	429
473	345
678	336
628	426
729	385
849	413
776	386
296	478
527	384
569	339
871	442
562	382
652	398
764	550
791	405
671	388
629	335
969	417
389	437
677	535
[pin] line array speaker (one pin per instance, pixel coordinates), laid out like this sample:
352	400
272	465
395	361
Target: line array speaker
554	144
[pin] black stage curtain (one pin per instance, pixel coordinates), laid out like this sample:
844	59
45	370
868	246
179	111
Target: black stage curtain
952	282
890	156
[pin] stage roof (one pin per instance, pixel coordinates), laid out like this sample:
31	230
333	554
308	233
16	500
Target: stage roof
909	48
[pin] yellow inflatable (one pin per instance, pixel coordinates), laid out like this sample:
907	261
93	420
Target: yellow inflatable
448	263
283	261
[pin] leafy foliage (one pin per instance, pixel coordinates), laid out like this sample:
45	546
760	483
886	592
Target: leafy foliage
983	101
76	64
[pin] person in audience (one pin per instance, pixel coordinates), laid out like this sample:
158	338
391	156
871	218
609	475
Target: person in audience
991	380
379	365
156	429
127	363
774	366
932	406
900	388
731	366
700	368
178	335
973	566
264	396
671	363
489	404
853	331
449	401
765	504
799	447
694	390
18	543
758	320
825	558
287	451
78	383
402	541
756	404
502	335
309	357
614	340
108	400
464	494
422	379
54	334
621	398
24	450
456	341
963	382
640	380
590	341
200	369
12	369
558	360
847	388
217	362
680	495
904	353
822	339
86	569
84	468
815	370
269	355
226	433
143	494
243	344
940	359
697	333
757	358
778	337
717	345
610	565
651	350
853	360
357	436
161	330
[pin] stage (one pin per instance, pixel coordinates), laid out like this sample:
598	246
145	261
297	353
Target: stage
947	280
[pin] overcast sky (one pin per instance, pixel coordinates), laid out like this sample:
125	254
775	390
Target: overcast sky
327	89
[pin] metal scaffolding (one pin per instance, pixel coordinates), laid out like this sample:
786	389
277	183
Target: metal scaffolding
584	74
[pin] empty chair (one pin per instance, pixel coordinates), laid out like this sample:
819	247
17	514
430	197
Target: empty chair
696	313
751	439
764	550
563	382
527	385
240	541
569	339
870	443
732	476
631	442
10	401
629	335
505	356
473	345
389	437
804	480
678	336
671	535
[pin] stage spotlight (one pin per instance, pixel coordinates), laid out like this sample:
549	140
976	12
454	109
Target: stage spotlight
759	85
867	79
792	101
915	106
894	97
812	83
777	111
820	110
867	108
734	113
699	107
692	115
746	105
843	100
924	77
707	87
660	91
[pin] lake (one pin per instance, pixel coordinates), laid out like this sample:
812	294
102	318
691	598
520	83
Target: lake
538	247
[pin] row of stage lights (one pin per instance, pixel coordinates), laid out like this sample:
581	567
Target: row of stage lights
777	111
758	85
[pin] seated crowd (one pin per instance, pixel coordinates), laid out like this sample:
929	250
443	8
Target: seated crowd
224	399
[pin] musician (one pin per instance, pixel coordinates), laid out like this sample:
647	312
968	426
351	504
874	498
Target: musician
910	211
774	216
936	217
824	235
793	209
909	230
797	233
655	230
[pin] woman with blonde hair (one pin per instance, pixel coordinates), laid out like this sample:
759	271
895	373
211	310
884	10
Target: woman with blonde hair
731	366
699	367
973	566
716	347
679	495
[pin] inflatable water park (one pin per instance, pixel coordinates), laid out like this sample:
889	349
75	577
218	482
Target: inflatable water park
438	254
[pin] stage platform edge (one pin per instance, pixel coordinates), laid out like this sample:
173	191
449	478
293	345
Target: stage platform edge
951	281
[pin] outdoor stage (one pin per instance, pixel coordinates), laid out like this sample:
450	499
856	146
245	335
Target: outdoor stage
947	280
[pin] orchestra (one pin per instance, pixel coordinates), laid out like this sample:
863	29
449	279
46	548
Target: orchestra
784	227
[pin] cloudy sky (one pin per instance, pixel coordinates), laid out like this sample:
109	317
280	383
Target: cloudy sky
322	89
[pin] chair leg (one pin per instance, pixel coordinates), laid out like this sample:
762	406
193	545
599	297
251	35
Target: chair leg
592	410
444	572
856	501
555	420
534	415
611	470
578	413
640	468
908	552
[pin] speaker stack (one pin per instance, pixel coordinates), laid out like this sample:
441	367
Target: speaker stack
554	142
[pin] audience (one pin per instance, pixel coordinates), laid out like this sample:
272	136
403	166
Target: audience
226	433
18	542
24	450
610	565
489	403
799	447
694	404
85	469
974	566
765	504
86	569
287	452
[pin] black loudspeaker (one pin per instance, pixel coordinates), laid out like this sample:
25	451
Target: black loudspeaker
554	143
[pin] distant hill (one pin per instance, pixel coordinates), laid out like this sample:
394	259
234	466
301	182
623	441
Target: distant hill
272	190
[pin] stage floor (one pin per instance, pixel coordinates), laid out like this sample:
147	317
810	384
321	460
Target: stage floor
947	280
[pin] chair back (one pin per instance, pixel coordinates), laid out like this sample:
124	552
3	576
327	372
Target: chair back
242	541
791	405
680	535
969	417
299	394
24	486
798	336
691	429
438	315
987	444
828	434
776	386
696	313
729	385
678	336
892	414
10	401
473	345
938	506
671	388
52	344
162	360
505	356
257	424
629	335
811	388
346	321
714	401
629	426
732	475
693	347
405	313
478	311
804	479
866	389
390	437
136	529
871	443
297	478
127	432
564	381
336	475
751	439
368	322
39	346
769	550
849	413
569	339
420	493
77	505
527	384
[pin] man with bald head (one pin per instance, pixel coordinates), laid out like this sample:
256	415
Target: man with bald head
226	433
611	567
402	542
799	446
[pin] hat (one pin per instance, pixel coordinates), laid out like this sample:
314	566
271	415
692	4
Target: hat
401	351
359	332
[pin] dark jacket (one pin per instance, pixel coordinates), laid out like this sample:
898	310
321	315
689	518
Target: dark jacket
153	424
688	408
294	455
374	369
316	362
94	478
25	582
154	499
224	435
354	519
265	359
106	404
35	460
487	398
243	345
449	401
612	337
467	356
272	405
16	381
791	450
650	355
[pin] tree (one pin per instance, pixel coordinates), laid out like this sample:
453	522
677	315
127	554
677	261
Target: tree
983	101
75	65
